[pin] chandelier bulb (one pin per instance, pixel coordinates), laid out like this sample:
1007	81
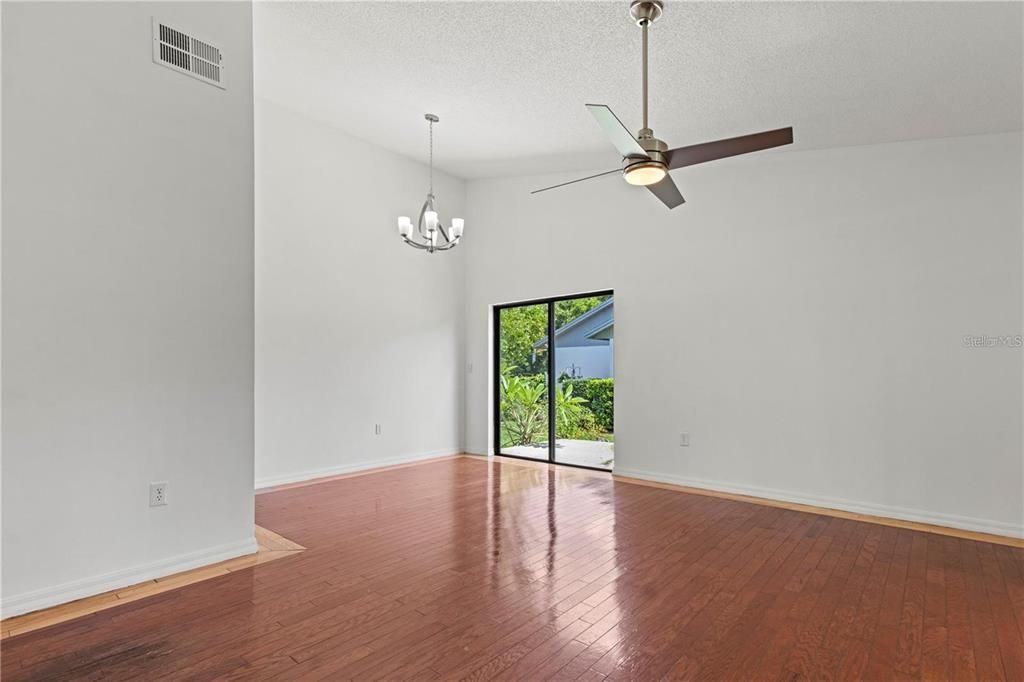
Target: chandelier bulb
430	218
404	226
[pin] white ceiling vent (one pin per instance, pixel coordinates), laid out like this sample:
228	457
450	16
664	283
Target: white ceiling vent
185	53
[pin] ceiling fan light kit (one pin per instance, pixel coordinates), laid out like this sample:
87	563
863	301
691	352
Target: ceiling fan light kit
643	173
646	160
430	234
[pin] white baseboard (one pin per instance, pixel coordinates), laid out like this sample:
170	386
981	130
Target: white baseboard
892	512
310	474
87	587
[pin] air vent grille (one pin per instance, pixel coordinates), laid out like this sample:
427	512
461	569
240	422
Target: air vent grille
185	53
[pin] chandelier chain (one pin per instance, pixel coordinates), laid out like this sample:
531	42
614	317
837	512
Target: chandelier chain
431	157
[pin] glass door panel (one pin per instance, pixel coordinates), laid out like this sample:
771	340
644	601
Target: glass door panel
584	381
524	384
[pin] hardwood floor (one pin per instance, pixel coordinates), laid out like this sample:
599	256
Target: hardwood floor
465	569
271	548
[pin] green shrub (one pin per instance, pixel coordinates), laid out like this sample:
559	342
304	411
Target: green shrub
524	411
575	420
581	425
600	397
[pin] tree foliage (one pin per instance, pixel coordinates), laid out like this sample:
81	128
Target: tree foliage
523	326
568	310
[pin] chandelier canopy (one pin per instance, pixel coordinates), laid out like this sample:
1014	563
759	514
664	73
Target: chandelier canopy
430	234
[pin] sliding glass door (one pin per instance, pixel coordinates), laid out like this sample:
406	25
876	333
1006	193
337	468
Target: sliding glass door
554	394
584	381
524	382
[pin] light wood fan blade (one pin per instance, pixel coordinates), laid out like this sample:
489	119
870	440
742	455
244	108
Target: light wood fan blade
733	146
589	177
667	191
619	134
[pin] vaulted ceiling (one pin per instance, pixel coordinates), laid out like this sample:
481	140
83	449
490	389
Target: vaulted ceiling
509	79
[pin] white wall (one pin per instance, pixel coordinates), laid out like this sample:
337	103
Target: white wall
801	317
353	327
127	299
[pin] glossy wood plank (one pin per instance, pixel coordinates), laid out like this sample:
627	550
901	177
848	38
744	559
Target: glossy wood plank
465	568
838	513
271	547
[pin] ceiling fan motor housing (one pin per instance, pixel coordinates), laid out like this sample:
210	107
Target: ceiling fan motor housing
654	147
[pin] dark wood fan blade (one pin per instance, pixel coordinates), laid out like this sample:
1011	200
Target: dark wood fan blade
733	146
667	191
589	177
619	134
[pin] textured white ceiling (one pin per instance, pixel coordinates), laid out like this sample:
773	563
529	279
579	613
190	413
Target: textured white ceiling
509	79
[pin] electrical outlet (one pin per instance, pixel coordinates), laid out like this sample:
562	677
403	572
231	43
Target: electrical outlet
158	494
684	440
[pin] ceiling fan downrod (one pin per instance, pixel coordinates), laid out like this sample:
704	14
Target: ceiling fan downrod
651	166
645	13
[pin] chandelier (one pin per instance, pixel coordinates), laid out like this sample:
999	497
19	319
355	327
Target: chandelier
430	235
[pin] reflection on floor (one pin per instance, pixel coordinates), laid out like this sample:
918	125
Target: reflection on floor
588	453
477	568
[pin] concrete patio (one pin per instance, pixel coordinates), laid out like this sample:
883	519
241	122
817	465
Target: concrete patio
590	453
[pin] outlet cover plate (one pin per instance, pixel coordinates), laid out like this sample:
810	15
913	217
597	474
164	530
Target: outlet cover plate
158	494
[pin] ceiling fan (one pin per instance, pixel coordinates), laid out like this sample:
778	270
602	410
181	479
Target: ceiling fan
646	160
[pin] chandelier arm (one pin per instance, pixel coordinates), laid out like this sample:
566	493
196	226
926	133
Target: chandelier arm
416	244
428	204
447	240
428	246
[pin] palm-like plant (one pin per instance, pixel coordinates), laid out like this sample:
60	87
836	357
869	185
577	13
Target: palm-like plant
524	408
568	407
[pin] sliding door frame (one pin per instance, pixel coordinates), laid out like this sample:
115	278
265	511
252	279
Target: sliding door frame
552	407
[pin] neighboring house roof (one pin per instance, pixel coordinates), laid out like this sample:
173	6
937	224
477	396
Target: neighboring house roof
603	331
592	323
